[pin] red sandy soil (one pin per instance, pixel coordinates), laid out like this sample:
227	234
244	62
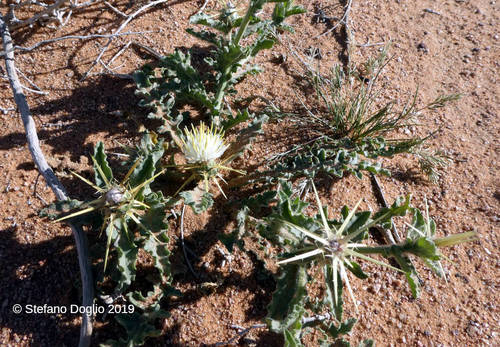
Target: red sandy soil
453	51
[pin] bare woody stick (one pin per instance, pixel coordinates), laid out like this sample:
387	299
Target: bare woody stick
49	11
120	28
52	181
74	37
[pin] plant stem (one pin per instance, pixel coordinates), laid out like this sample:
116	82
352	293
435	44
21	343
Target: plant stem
244	24
222	87
241	30
385	250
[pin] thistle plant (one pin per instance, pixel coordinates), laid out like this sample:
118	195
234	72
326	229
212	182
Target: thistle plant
118	201
332	248
177	82
134	218
234	40
352	132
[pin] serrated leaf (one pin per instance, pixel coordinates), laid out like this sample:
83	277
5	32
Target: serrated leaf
102	170
240	117
198	199
143	172
342	329
126	258
160	254
286	307
138	330
291	340
411	274
422	247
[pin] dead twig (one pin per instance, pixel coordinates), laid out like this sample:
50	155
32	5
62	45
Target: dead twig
368	44
39	90
149	50
243	331
41	199
55	12
182	243
240	334
430	10
120	28
6	110
317	318
115	10
73	37
120	52
343	20
52	182
380	196
201	9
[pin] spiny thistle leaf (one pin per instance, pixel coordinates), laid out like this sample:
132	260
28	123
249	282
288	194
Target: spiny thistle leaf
160	255
138	328
54	210
198	199
342	329
286	309
103	173
126	252
144	172
410	273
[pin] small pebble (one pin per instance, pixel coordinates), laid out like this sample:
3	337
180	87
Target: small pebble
422	47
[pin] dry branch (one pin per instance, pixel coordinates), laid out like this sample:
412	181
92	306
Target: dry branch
380	196
243	331
73	37
56	11
52	181
344	20
183	245
120	28
115	10
240	334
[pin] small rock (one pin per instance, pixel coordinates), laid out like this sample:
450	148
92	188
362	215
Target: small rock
397	283
375	288
472	329
422	47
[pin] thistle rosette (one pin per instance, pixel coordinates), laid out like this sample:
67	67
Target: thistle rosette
335	248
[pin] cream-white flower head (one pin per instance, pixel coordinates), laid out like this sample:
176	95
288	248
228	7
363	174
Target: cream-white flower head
203	144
